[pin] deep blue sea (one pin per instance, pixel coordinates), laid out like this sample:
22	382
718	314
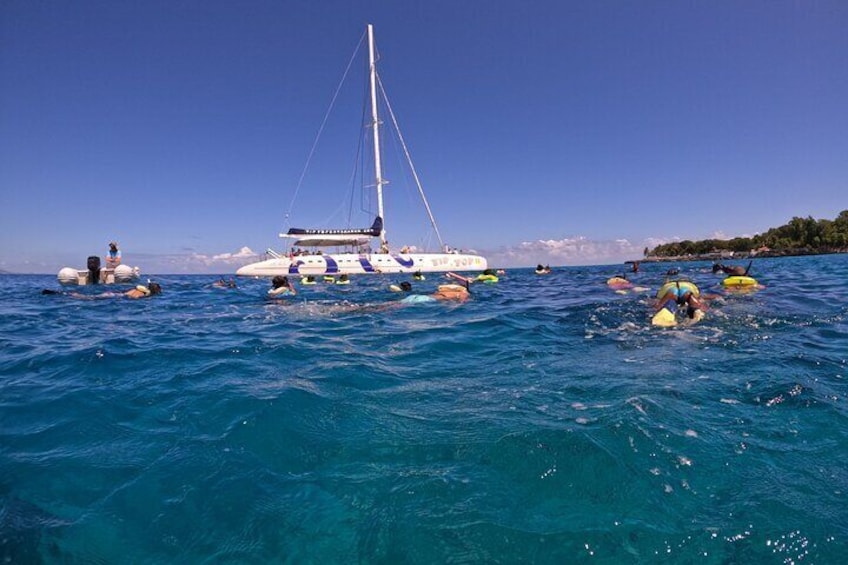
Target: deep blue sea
543	421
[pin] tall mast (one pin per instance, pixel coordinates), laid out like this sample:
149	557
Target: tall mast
375	124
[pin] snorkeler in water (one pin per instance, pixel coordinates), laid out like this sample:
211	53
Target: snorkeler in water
140	291
686	294
281	286
734	271
221	283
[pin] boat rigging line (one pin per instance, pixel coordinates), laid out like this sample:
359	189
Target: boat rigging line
411	165
321	129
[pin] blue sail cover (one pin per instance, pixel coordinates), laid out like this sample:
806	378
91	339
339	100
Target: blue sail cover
373	231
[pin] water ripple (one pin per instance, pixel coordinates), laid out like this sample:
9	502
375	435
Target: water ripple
544	420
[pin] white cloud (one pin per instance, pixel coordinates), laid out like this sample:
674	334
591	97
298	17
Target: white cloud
197	263
241	254
570	251
221	259
651	242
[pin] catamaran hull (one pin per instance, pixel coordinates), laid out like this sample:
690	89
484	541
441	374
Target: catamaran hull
360	264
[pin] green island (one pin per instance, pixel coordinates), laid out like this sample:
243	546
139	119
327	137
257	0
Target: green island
800	236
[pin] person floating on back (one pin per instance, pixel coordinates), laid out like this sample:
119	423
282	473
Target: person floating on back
444	292
139	291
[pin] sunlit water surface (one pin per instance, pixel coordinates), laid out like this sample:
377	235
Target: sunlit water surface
542	421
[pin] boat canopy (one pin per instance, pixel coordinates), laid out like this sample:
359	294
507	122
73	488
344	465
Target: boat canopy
374	231
316	240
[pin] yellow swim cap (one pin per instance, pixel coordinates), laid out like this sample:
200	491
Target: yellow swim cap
144	289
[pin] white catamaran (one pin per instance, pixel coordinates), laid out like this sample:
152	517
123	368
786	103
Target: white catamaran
356	256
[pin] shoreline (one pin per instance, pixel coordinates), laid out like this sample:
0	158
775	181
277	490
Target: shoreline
734	256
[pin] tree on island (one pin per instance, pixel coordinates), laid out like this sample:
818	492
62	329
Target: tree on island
799	236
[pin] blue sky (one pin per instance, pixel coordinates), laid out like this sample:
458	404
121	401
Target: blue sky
544	132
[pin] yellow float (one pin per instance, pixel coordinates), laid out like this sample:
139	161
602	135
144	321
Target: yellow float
739	281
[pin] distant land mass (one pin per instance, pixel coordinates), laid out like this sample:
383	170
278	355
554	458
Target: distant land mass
800	236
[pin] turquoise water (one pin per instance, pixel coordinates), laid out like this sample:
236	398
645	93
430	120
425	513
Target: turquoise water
543	421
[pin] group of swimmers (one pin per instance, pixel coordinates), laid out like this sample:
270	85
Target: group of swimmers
281	286
678	294
687	296
683	294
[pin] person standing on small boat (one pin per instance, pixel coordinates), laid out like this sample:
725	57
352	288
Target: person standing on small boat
113	257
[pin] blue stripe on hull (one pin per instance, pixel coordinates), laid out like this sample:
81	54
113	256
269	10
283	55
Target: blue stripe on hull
294	267
408	264
366	265
332	266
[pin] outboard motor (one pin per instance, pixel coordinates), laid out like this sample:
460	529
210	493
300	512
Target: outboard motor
94	269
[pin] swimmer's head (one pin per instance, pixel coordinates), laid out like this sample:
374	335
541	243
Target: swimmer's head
406	286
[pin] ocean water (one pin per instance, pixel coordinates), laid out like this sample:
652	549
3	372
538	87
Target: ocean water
542	421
